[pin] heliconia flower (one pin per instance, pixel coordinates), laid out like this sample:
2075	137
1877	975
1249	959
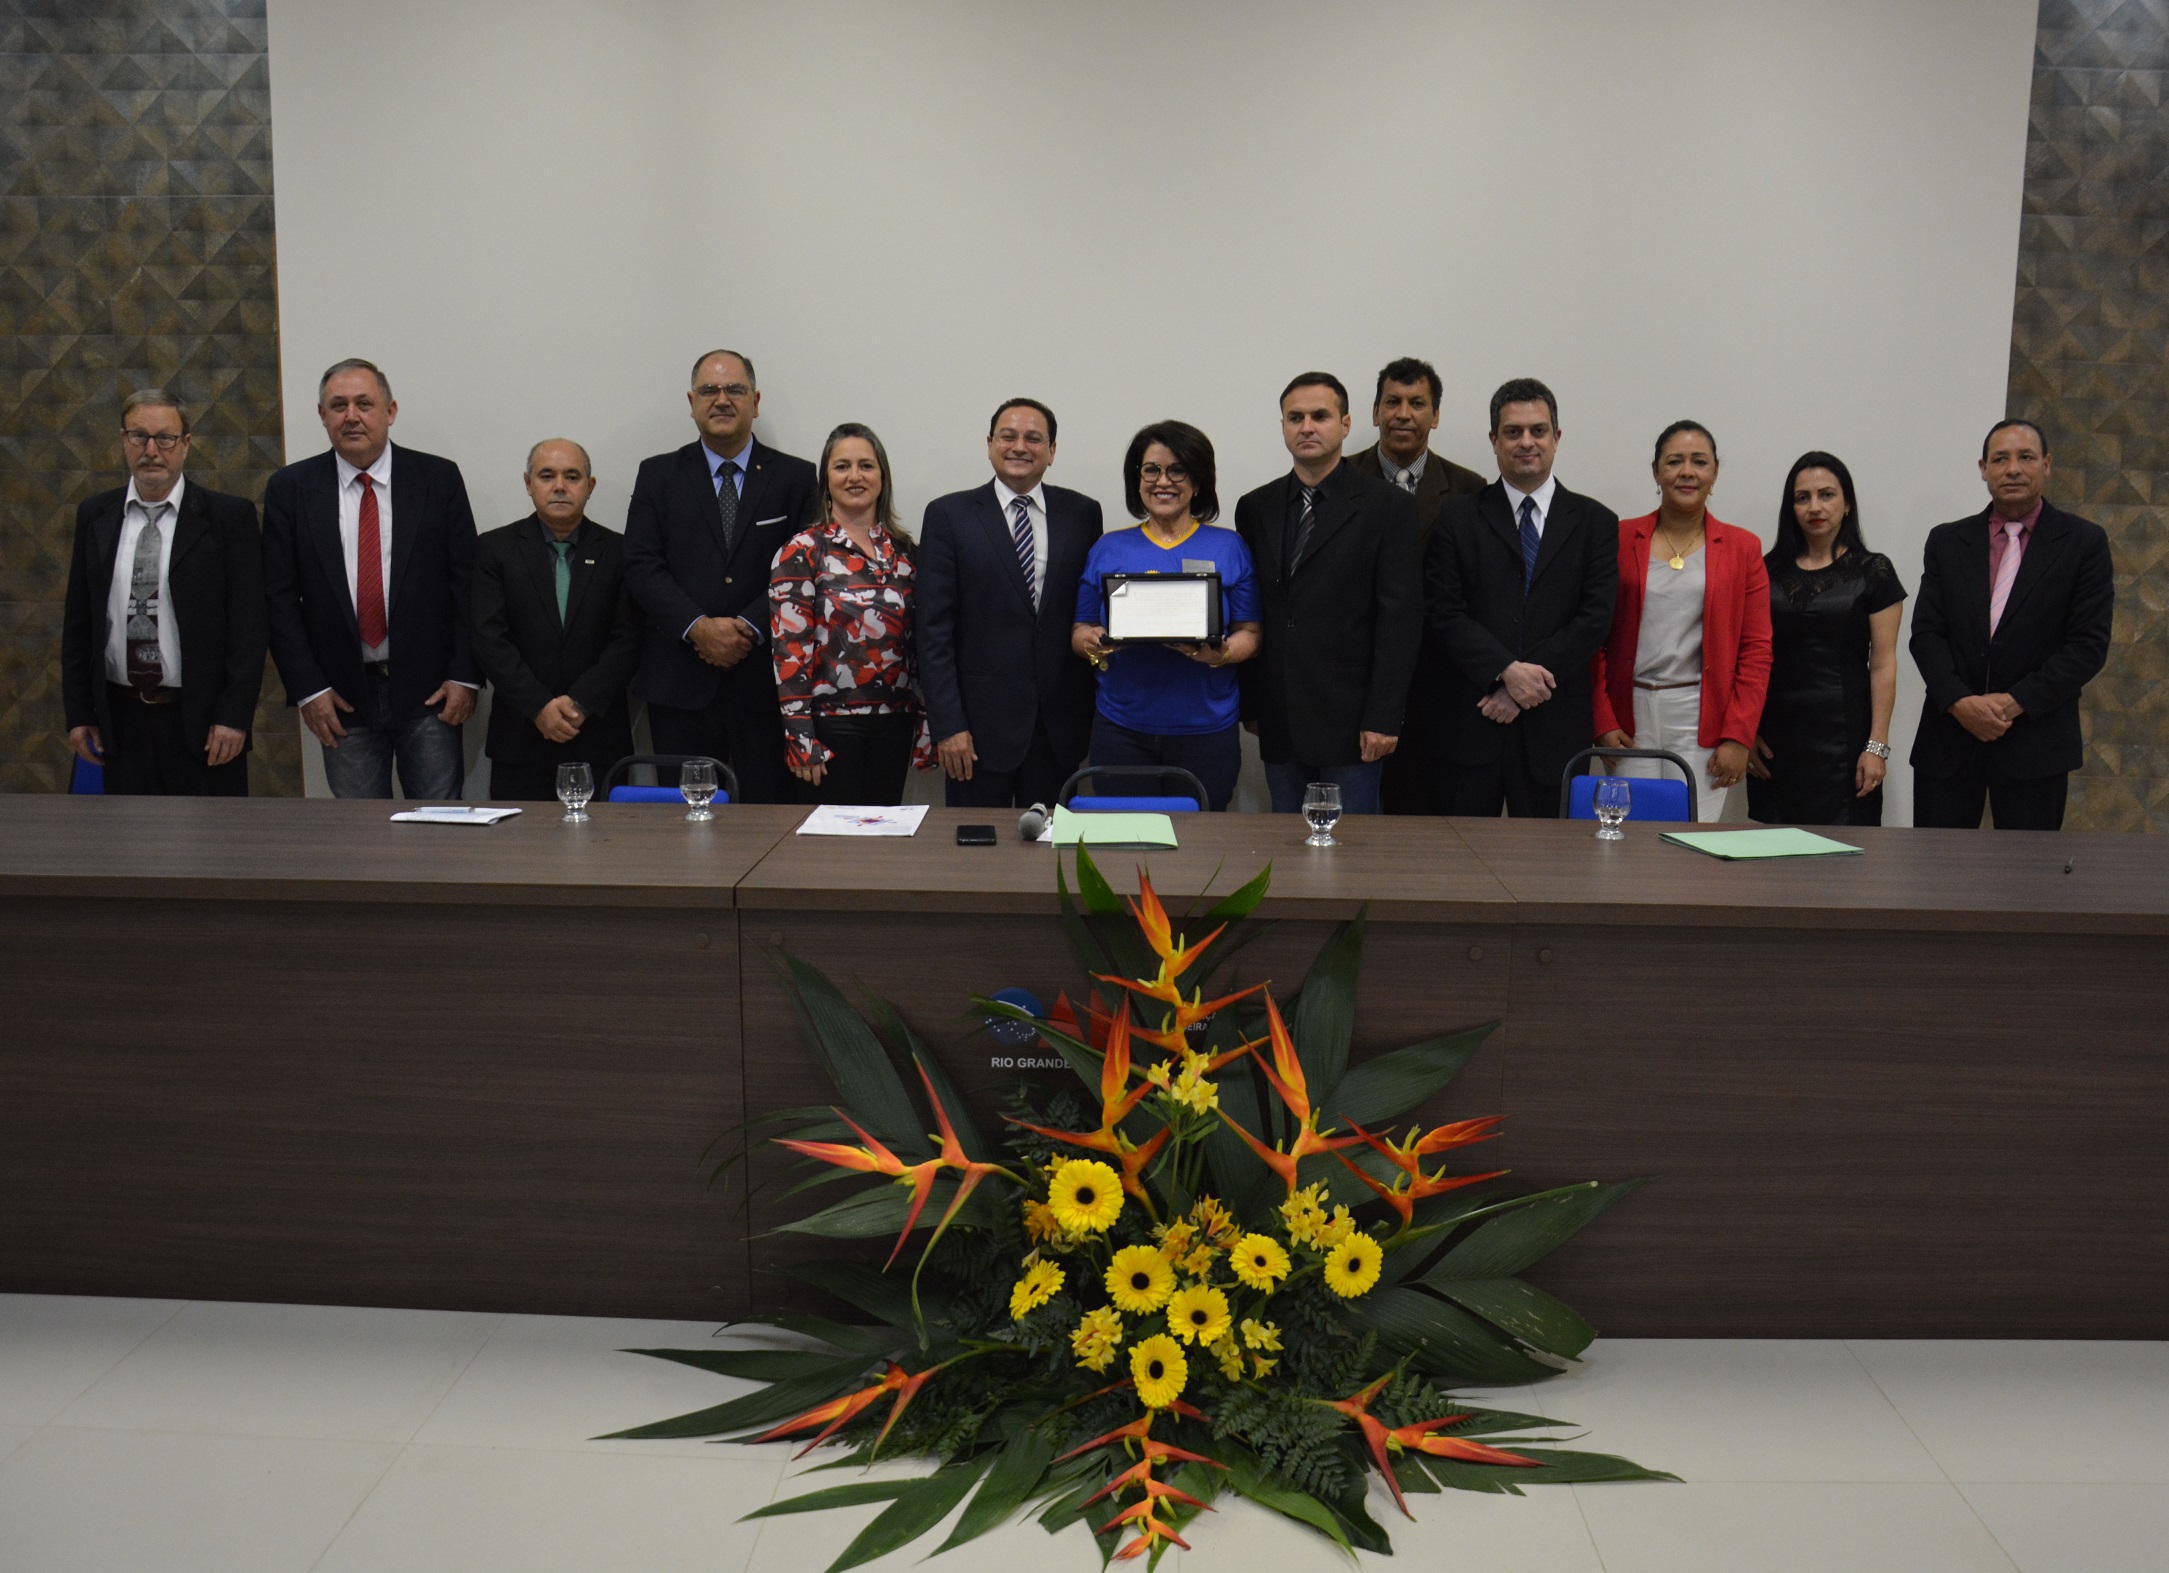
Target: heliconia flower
1285	1072
1139	1431
840	1412
1150	1530
1383	1441
1117	1101
1175	957
1403	1195
874	1158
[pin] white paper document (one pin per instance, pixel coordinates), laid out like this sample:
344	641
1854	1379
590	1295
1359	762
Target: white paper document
453	814
845	819
1173	609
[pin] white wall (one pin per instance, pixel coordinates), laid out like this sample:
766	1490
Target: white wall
1798	224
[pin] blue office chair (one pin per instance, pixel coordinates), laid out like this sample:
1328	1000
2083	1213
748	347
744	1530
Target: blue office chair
1158	775
616	790
1654	800
85	779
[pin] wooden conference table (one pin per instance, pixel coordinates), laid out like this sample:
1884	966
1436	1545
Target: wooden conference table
286	1050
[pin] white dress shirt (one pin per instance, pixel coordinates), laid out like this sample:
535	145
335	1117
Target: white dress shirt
1036	501
1543	495
350	496
135	513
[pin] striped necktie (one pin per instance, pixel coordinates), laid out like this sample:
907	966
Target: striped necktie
1027	553
146	660
1530	540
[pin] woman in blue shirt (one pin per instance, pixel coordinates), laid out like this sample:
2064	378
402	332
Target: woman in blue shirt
1171	704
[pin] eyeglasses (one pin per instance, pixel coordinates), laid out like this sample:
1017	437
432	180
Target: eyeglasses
708	391
163	441
1153	472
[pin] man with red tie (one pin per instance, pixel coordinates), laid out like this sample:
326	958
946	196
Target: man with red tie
2011	623
368	554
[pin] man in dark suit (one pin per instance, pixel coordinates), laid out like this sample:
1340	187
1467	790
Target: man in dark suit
1008	701
554	632
368	550
1405	409
703	528
1519	581
1339	558
162	636
2011	623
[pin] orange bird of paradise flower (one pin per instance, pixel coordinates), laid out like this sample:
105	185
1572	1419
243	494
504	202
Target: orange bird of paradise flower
837	1413
1285	1072
1175	959
1416	1438
1403	1195
1117	1100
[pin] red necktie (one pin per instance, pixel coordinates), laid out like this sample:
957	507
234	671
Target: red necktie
369	570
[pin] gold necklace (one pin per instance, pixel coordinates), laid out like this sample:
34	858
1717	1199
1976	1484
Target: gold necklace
1678	560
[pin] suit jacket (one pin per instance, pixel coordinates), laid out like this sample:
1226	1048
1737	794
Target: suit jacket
530	656
989	663
1441	479
1342	626
2052	639
315	637
1735	633
1480	618
215	579
678	572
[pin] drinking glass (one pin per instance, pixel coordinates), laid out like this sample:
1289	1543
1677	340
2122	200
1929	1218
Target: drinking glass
575	786
1322	807
1614	800
696	784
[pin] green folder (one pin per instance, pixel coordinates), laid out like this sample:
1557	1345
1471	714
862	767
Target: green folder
1738	845
1136	831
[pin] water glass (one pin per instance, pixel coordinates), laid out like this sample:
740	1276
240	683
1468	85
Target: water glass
1614	800
1322	808
575	787
696	784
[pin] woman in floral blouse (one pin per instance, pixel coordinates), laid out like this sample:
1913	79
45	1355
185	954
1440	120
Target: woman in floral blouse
840	622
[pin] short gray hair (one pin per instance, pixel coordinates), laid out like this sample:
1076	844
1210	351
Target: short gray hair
751	379
354	363
155	399
585	462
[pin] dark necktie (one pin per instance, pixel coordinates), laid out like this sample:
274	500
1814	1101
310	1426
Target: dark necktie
1303	523
146	662
563	573
1027	555
726	504
1530	540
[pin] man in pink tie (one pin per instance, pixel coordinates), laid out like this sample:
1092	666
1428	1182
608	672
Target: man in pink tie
368	554
2011	623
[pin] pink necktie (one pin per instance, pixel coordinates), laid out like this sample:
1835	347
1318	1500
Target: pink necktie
369	570
2006	573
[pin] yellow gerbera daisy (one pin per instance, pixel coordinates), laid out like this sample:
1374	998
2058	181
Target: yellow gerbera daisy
1139	1280
1353	1266
1259	1261
1160	1369
1097	1338
1261	1335
1086	1196
1198	1314
1041	1282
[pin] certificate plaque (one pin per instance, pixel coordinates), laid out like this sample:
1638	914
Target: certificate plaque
1170	607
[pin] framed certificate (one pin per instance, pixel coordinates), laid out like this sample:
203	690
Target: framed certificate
1175	607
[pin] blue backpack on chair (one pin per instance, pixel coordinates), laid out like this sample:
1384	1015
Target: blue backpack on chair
1660	800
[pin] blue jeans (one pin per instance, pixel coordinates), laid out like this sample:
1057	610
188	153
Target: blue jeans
1358	783
431	757
1215	758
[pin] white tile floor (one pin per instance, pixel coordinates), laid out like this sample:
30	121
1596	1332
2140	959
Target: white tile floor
169	1437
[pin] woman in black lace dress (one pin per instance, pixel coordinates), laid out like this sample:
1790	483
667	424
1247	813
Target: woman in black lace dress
1834	610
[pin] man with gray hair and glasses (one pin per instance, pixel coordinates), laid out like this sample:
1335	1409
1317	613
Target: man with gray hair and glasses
701	533
162	636
368	555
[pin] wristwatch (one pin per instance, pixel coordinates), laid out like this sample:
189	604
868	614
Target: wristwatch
1879	750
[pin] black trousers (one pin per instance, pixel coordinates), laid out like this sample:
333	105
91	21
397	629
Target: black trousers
1507	782
148	754
740	726
1954	802
1215	758
872	759
1038	778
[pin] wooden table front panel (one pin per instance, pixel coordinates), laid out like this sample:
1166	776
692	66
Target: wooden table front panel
462	1107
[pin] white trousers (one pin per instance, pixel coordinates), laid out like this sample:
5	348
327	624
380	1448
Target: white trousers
1671	718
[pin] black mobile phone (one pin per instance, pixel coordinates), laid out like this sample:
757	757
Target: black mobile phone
975	835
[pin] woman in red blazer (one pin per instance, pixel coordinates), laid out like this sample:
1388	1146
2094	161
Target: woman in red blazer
1688	660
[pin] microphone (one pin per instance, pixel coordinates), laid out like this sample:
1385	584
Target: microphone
1032	823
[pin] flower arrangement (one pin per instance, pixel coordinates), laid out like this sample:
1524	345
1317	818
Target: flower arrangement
1213	1286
